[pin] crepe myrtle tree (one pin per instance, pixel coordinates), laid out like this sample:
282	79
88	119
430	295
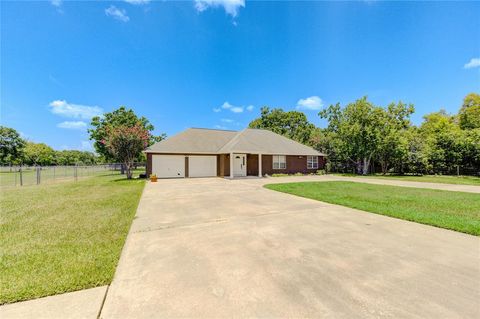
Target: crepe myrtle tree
126	143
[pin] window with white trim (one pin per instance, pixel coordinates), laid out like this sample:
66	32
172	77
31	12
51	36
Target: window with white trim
279	161
312	162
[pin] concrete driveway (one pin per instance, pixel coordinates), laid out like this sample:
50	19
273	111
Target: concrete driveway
210	248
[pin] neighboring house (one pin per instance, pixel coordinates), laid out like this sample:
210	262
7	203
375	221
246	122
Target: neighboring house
200	152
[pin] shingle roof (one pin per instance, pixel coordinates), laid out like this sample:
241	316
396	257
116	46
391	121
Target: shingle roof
208	141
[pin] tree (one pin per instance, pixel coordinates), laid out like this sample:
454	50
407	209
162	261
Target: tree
416	159
469	114
11	146
73	157
471	150
357	127
39	154
292	124
393	146
118	118
126	143
444	141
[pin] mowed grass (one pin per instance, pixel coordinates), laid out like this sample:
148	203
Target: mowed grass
64	237
443	179
451	210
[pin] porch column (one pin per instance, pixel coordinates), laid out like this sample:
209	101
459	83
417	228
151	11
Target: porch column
231	165
259	165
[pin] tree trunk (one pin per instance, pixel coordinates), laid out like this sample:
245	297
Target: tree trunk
366	164
128	170
359	167
384	167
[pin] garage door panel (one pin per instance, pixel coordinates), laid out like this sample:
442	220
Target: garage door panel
168	166
202	166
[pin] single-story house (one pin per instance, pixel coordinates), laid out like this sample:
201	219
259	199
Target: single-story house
198	152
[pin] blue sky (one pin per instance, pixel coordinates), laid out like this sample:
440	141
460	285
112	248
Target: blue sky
214	63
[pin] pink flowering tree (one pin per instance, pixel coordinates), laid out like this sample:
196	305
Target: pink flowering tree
126	143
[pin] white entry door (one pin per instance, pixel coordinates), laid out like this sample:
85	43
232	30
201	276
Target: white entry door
239	165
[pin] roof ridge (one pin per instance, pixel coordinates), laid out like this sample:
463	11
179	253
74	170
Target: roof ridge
233	139
212	129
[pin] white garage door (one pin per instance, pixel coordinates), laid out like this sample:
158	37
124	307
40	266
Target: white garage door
167	166
202	166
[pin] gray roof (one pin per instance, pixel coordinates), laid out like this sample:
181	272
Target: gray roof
208	141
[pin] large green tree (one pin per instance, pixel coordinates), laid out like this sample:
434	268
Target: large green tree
126	143
469	115
357	128
444	141
392	147
122	117
11	146
39	154
292	124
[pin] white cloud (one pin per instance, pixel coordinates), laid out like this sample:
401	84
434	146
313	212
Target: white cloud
310	103
250	108
231	107
474	63
116	13
220	127
56	3
237	109
226	120
231	7
73	125
76	111
216	110
137	2
226	105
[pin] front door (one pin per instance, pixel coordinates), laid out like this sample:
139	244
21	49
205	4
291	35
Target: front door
239	165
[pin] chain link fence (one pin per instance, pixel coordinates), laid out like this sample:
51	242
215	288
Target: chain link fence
11	176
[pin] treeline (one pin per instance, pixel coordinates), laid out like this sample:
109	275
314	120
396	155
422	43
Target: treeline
119	137
362	137
16	151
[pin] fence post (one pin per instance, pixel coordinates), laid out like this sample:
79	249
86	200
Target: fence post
15	177
458	170
21	177
38	175
54	173
75	173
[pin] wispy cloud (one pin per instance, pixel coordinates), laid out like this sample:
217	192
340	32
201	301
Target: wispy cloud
233	108
73	125
137	2
56	3
220	127
310	103
231	7
116	13
227	120
76	111
474	63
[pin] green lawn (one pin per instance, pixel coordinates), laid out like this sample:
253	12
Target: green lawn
451	210
64	237
444	179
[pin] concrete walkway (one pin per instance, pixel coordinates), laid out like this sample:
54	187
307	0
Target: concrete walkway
212	248
83	304
378	181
